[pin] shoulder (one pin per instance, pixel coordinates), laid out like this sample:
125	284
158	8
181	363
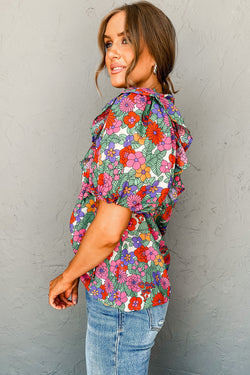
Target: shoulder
138	99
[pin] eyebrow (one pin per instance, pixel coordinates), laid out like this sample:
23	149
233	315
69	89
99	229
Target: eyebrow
119	34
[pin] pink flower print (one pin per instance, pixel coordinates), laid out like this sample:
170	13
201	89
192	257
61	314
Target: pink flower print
165	283
102	271
115	127
162	244
114	265
104	183
121	277
80	196
166	119
151	253
121	297
181	130
165	102
85	186
140	102
126	105
134	202
116	174
165	144
109	286
181	155
133	281
165	166
135	160
125	235
102	191
155	234
78	235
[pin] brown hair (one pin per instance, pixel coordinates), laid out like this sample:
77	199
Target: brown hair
145	20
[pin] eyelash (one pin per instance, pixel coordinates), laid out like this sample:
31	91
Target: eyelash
108	44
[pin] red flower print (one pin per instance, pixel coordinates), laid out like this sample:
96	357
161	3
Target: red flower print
135	303
96	154
172	159
163	195
124	153
131	119
140	254
131	224
86	282
140	216
87	173
167	259
72	219
154	133
104	293
110	119
167	213
142	192
124	267
158	299
165	273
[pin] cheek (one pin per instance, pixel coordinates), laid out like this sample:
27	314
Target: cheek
130	56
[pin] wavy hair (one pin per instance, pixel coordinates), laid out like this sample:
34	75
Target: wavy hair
144	21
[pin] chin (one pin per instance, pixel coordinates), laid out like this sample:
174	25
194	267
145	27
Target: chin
118	85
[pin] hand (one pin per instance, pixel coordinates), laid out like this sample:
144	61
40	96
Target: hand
60	291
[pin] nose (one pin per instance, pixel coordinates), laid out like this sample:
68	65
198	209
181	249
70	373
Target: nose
114	51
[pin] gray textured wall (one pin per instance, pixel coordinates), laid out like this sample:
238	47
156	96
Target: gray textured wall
48	56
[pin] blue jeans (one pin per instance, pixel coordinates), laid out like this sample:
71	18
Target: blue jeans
118	342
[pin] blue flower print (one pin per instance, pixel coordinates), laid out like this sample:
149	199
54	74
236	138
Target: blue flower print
127	257
127	189
153	189
137	241
79	215
157	277
96	292
128	140
158	110
111	153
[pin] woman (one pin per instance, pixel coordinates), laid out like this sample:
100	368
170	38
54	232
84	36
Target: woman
131	181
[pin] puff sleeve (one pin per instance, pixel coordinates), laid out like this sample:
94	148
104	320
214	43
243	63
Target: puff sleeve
135	154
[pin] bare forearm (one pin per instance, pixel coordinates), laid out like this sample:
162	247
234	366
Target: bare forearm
93	249
99	241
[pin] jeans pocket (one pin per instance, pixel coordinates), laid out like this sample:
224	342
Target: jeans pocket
157	316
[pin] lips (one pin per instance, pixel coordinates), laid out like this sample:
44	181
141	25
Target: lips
115	68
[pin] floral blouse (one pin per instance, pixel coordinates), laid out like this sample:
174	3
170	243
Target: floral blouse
137	154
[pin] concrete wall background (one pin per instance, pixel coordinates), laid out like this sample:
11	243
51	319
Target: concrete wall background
48	55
